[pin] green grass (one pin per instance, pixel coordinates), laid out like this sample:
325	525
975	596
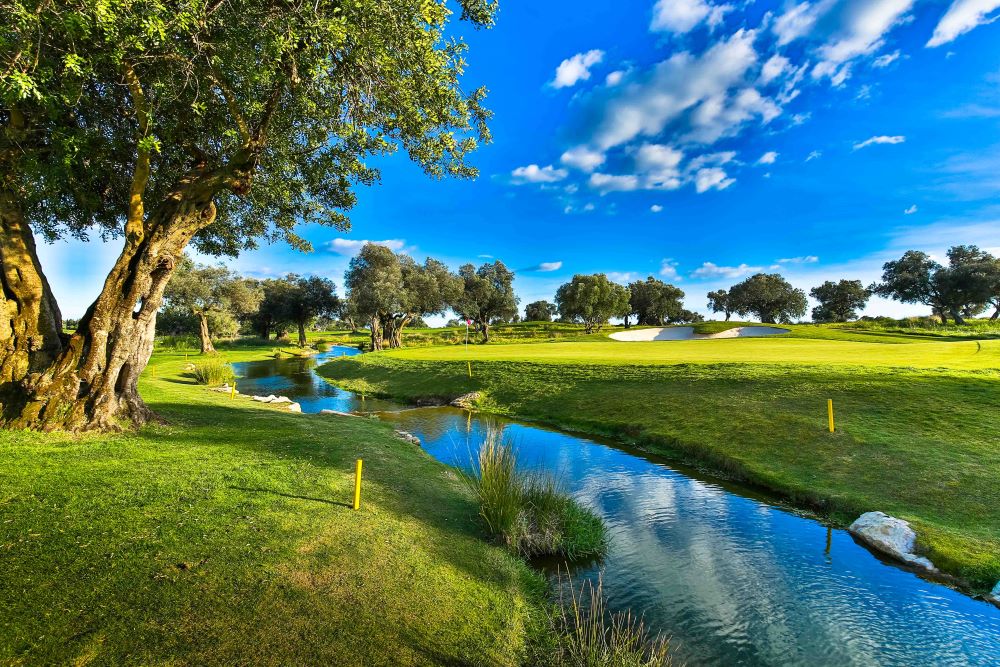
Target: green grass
224	537
213	372
916	433
527	511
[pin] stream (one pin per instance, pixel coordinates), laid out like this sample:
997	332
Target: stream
732	576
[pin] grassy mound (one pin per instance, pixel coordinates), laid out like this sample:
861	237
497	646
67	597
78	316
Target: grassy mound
226	537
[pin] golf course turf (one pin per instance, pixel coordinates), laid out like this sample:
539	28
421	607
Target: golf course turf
916	417
224	536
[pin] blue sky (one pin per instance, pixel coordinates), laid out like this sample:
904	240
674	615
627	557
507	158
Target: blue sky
698	141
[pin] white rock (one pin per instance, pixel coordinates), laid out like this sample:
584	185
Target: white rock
282	399
890	536
294	407
467	401
408	437
338	413
224	389
265	399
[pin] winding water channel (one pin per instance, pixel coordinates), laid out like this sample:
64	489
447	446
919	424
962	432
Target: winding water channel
731	576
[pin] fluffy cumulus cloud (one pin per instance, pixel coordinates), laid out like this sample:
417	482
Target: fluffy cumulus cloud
532	173
668	270
660	166
605	183
583	158
656	208
712	178
961	17
577	68
352	246
708	270
880	139
682	16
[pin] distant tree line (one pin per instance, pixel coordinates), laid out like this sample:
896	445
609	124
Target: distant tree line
388	291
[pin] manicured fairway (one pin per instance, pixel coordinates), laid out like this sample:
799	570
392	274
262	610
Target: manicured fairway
917	423
223	537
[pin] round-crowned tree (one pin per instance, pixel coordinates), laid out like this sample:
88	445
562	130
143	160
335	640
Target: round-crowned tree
592	300
769	297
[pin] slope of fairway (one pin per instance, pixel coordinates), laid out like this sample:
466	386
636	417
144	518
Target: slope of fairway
965	355
224	537
916	431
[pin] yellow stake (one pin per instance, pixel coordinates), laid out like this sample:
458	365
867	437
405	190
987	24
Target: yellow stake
470	368
829	412
357	485
232	392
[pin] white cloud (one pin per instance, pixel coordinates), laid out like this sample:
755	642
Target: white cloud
815	155
660	166
805	259
711	87
775	66
588	207
681	16
352	246
656	208
797	22
583	158
713	178
535	174
606	183
886	59
710	270
911	210
768	158
576	69
961	17
545	267
668	270
622	277
880	139
614	78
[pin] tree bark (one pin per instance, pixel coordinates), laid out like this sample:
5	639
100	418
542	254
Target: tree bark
484	328
376	333
31	334
396	331
957	316
92	384
996	313
302	333
206	338
728	315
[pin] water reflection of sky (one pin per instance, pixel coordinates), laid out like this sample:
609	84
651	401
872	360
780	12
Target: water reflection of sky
732	579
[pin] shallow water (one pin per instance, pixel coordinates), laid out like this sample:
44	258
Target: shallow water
732	577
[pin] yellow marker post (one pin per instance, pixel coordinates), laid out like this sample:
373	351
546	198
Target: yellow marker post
829	412
232	392
357	485
470	368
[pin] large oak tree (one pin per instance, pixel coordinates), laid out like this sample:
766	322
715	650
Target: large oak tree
221	123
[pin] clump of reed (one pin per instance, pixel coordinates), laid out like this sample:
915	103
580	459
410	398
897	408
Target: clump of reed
586	633
213	372
529	512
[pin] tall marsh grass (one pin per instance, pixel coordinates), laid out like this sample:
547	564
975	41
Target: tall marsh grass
528	512
587	634
213	372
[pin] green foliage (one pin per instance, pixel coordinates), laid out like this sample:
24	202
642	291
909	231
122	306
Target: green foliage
840	301
769	297
540	311
588	634
718	302
592	300
966	287
215	293
488	296
213	372
529	513
654	302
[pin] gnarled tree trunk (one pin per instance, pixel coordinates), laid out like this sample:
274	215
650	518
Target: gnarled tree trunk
203	333
302	333
376	333
395	331
91	384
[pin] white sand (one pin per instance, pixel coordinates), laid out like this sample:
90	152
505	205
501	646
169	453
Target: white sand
687	333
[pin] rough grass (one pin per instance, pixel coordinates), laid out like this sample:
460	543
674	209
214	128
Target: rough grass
916	422
528	512
225	537
213	372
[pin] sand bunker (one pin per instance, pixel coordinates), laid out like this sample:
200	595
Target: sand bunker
687	333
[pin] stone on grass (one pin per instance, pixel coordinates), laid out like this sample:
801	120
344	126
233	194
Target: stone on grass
408	437
282	399
338	413
294	407
889	536
265	399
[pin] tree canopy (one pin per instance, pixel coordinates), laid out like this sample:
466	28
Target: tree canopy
306	298
719	302
654	302
592	300
487	296
839	301
215	295
540	311
769	297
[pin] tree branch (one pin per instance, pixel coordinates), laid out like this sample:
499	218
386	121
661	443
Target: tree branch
140	174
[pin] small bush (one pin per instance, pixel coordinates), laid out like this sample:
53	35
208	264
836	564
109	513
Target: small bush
213	372
586	634
529	513
322	346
